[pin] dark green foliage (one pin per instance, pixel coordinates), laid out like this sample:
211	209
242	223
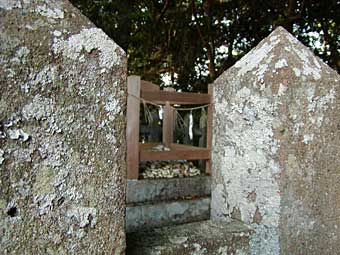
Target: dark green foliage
181	38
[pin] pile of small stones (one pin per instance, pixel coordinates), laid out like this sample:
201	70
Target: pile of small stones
167	169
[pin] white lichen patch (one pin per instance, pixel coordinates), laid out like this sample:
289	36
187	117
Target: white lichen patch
40	80
89	40
53	151
260	71
21	55
219	205
322	103
273	38
178	240
9	4
112	107
57	33
54	13
298	127
2	153
199	250
309	64
244	155
297	72
39	109
44	203
242	251
10	73
24	135
73	195
111	138
266	241
308	138
281	63
222	250
15	134
282	90
84	216
318	105
255	57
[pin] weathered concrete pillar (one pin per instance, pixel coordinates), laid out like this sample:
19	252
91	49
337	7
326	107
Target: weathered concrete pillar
276	153
62	132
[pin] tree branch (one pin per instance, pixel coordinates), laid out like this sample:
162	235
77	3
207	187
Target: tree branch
207	44
165	8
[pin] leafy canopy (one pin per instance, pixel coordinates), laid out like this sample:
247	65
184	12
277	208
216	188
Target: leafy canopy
191	42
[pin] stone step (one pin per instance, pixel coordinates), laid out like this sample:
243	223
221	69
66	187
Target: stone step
154	190
149	215
199	238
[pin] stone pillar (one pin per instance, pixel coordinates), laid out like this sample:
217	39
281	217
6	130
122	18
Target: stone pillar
62	132
276	148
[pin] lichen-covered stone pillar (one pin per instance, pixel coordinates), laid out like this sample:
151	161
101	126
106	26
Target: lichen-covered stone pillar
276	148
62	132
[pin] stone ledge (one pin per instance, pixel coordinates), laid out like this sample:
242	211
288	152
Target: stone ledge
205	237
140	191
166	213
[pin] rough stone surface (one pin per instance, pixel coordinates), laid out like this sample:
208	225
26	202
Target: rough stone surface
62	132
146	216
276	159
155	190
201	238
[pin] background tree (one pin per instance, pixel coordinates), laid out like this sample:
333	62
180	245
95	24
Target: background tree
190	43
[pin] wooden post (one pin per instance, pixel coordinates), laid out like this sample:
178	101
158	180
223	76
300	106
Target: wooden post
168	122
132	126
209	127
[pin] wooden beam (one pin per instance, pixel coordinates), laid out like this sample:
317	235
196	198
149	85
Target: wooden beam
162	96
148	146
149	86
209	128
132	127
173	146
181	152
183	147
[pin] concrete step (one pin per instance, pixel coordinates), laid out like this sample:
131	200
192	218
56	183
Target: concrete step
149	215
153	190
199	238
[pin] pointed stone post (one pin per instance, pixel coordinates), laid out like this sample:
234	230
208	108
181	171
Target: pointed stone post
276	156
62	132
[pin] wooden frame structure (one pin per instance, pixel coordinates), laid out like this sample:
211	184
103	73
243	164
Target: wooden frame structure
136	152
